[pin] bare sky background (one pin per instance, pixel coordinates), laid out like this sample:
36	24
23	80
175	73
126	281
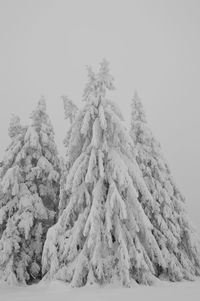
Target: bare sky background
153	47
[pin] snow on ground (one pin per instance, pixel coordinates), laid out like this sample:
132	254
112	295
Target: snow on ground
58	291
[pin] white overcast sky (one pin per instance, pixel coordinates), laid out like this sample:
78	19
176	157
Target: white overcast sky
153	46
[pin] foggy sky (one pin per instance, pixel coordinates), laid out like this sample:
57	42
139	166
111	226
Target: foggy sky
153	47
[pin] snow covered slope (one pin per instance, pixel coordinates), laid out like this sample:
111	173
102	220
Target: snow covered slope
164	291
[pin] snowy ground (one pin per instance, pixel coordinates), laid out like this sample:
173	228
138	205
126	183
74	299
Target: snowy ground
58	291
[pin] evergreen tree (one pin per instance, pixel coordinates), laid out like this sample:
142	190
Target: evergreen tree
166	211
30	176
103	233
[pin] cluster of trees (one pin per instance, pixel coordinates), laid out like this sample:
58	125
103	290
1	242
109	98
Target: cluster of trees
110	211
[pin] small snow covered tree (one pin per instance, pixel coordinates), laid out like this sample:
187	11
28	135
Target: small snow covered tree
30	176
166	211
103	234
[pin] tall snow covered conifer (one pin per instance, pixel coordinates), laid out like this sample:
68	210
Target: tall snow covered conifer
30	176
171	228
103	234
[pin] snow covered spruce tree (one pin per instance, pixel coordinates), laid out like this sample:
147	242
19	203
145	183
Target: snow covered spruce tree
30	176
166	210
103	234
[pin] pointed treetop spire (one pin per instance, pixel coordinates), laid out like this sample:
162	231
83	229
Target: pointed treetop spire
98	83
138	113
91	74
42	104
14	126
104	75
70	108
39	114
